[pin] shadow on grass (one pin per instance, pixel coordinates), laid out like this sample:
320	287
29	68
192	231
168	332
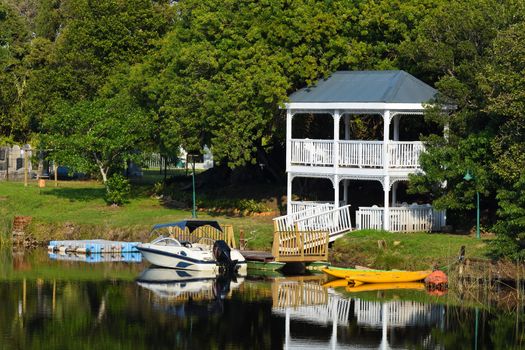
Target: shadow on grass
77	194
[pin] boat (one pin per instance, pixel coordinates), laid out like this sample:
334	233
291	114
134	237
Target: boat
200	254
376	276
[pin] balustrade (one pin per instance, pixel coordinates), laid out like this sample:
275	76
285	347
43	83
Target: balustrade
359	154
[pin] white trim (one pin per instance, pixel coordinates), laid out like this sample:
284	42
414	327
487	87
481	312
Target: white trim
347	107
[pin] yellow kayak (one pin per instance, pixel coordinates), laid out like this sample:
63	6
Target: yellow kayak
336	283
385	286
376	276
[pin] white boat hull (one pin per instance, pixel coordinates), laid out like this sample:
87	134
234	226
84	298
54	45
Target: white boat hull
187	258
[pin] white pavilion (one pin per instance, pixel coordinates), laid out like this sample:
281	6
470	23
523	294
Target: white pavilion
389	95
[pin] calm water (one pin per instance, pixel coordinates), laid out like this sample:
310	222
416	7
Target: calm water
49	304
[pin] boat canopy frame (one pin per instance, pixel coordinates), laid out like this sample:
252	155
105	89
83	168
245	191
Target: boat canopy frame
192	225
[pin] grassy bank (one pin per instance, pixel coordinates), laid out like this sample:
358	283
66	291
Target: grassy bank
77	210
403	250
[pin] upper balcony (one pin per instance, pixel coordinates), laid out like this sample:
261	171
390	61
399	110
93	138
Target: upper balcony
358	154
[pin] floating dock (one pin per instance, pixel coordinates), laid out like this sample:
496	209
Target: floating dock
93	246
96	258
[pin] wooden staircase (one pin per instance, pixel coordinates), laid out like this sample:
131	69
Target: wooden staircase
303	236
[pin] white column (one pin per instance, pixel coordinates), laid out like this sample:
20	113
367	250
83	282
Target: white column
386	139
289	194
384	326
337	118
386	211
336	191
289	118
347	127
394	194
345	191
333	340
386	164
396	127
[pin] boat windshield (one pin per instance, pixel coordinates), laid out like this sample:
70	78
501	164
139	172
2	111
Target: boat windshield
167	241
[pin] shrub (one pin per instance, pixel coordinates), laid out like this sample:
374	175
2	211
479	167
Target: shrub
118	190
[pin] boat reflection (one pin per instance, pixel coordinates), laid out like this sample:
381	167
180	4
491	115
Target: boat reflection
183	292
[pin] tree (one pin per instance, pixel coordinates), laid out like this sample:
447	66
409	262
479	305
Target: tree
478	63
14	37
97	136
223	72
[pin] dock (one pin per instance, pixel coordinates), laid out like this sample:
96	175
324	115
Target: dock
97	258
93	246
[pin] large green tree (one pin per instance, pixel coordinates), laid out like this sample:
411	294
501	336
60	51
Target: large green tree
221	75
14	39
478	63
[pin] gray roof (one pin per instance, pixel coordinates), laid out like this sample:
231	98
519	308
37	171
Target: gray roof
388	86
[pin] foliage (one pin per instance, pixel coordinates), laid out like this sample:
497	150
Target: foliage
220	76
478	64
100	135
14	36
118	190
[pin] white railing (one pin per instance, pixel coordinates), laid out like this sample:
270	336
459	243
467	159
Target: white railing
287	222
335	221
297	206
405	154
414	218
356	153
312	152
362	154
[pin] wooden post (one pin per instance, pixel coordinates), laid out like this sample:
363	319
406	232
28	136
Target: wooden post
326	246
55	170
275	246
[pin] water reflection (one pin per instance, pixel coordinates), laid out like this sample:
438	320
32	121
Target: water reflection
176	291
68	304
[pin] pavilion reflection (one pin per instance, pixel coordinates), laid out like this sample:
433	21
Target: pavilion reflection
306	302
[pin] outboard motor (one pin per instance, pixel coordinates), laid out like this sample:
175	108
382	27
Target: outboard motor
221	252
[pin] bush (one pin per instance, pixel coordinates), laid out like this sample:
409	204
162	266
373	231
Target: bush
118	190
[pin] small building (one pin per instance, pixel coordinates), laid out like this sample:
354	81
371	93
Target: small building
341	157
12	162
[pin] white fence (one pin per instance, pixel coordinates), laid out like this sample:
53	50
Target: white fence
414	218
361	154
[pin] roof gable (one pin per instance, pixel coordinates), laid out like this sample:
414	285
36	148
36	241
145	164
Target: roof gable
391	86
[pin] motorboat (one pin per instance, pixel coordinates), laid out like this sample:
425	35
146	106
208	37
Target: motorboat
195	253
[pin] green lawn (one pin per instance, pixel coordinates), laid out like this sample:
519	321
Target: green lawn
404	250
81	204
75	209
